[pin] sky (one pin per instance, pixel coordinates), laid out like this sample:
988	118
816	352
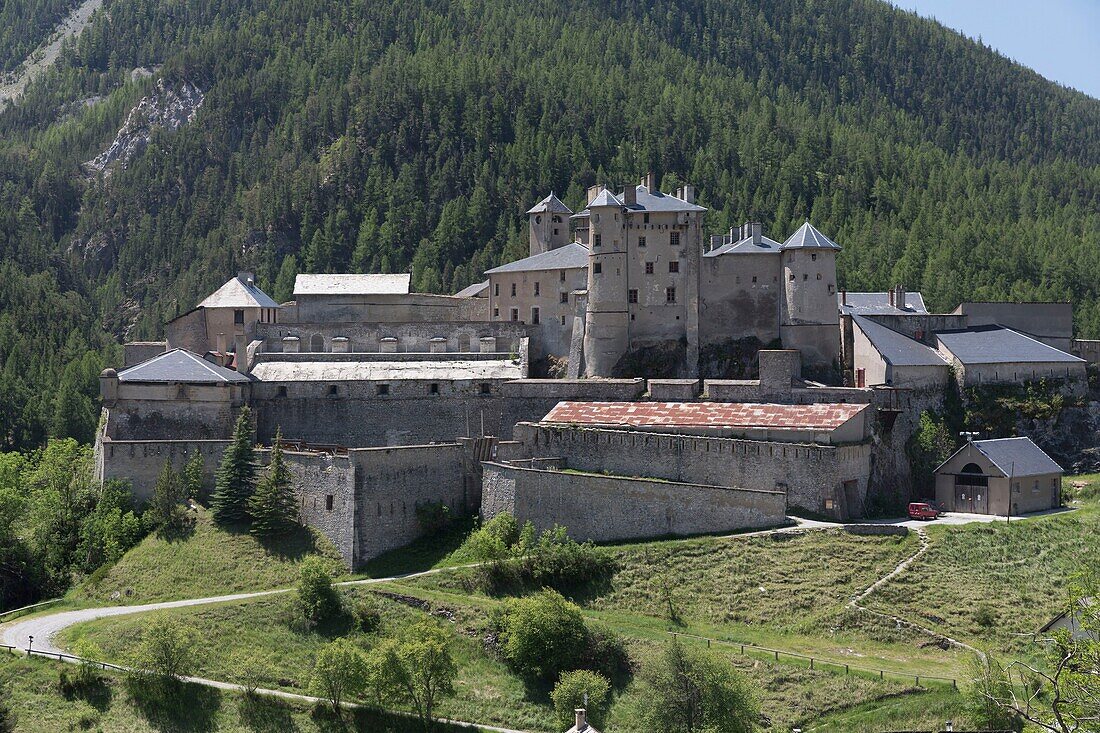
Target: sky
1058	38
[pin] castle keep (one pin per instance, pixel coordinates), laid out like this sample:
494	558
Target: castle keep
389	400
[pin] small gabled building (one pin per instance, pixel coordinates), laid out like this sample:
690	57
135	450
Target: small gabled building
998	477
994	354
883	357
221	318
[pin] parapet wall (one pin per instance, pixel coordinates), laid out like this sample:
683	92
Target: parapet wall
325	485
141	461
604	508
825	479
461	336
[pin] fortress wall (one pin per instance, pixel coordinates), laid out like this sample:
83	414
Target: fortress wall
820	478
1087	349
923	325
604	508
391	482
187	331
750	390
462	336
740	297
318	476
141	461
528	400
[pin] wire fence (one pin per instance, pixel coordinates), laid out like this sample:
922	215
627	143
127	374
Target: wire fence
817	662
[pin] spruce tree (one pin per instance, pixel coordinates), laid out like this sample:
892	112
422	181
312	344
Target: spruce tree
166	508
236	476
273	506
192	475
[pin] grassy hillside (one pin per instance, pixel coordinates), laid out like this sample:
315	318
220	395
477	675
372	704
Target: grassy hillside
209	561
388	135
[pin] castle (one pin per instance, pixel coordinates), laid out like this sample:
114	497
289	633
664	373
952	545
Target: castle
389	400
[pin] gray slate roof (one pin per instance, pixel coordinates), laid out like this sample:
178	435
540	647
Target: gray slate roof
1000	345
874	304
571	256
646	201
473	291
238	293
180	365
807	237
897	349
551	204
344	284
1014	456
746	247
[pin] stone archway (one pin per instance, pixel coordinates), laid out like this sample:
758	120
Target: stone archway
317	343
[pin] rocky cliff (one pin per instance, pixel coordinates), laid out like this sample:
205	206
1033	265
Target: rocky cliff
169	107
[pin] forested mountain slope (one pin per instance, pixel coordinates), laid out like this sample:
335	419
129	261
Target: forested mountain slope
388	134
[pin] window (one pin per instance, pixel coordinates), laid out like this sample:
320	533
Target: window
670	295
564	298
496	312
563	320
333	390
496	289
645	218
641	241
562	276
597	241
792	277
1035	488
556	220
281	392
805	276
597	268
433	388
632	296
330	501
555	231
813	257
535	316
819	276
649	268
513	290
485	388
754	278
382	389
537	288
515	314
538	218
832	290
674	239
238	317
673	265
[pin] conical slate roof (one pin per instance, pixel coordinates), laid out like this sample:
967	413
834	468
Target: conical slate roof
807	237
551	204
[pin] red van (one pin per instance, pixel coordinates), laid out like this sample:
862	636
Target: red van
923	510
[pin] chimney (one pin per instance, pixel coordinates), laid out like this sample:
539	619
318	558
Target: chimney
241	347
247	278
649	180
754	231
220	346
582	719
899	299
844	297
891	297
630	195
593	192
689	193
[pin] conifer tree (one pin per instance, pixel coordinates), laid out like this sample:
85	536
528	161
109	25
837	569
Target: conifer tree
236	476
192	475
273	506
166	507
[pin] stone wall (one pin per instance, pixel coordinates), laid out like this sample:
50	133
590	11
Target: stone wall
173	411
135	352
412	337
325	485
819	478
1051	323
141	461
604	508
740	297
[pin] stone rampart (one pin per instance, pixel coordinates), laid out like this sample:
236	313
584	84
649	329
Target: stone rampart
604	508
141	461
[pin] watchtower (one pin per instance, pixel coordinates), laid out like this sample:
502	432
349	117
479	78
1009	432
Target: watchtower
548	224
809	320
607	319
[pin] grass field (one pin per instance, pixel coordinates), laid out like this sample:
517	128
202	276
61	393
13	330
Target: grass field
209	561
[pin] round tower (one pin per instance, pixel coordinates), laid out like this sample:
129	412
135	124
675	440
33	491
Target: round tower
606	319
809	319
548	224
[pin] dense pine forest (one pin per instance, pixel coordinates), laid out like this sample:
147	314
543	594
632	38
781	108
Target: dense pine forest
384	135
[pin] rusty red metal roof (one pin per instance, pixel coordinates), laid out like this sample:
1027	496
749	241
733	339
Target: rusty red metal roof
706	414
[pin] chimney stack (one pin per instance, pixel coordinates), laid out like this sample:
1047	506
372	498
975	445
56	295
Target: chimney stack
899	299
220	346
630	195
844	297
246	277
755	232
582	719
649	180
891	297
593	192
688	193
240	345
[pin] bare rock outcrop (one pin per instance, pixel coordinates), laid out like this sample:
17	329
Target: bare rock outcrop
169	107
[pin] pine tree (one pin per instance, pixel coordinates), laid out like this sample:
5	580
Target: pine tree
273	506
166	508
236	476
192	476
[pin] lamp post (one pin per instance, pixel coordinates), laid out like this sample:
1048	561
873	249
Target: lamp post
30	643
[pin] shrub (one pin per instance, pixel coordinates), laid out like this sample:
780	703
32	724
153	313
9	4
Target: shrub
989	683
433	517
581	689
366	614
605	651
416	670
985	617
543	634
167	648
686	691
340	671
558	561
316	593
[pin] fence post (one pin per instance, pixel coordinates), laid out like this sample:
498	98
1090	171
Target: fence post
708	643
777	656
918	680
811	662
845	669
955	684
880	674
742	650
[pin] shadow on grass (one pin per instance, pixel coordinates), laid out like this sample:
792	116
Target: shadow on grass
174	706
264	714
363	720
293	545
91	688
422	554
180	529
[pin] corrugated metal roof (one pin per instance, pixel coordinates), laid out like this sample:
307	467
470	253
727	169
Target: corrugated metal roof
646	202
238	293
551	204
1000	345
896	348
385	371
746	246
180	365
572	256
473	291
346	284
705	414
878	304
807	237
1012	456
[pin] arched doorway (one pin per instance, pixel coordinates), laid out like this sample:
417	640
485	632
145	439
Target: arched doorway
317	343
972	490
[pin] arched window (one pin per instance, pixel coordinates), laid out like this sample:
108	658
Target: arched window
317	343
972	475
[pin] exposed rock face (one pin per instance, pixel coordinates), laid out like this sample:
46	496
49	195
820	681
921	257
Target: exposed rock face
168	108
